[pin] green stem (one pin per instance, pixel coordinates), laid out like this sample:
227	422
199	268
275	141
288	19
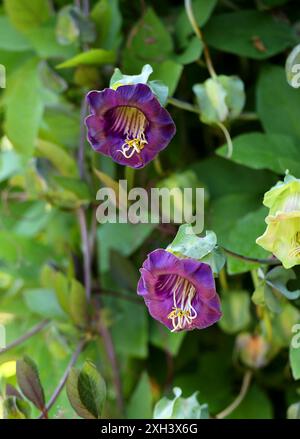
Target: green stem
198	32
228	139
243	392
183	105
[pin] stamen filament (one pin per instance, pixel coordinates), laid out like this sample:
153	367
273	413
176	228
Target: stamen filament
183	293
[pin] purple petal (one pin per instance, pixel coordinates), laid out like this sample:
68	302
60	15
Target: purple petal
109	137
185	287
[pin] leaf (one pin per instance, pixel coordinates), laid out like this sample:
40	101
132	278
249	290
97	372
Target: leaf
108	19
168	72
274	94
15	408
10	38
94	57
295	361
78	303
43	301
29	382
191	53
188	244
256	405
74	397
236	311
294	411
278	277
125	238
140	403
10	164
86	391
27	14
202	11
180	408
60	158
248	33
24	108
265	151
163	339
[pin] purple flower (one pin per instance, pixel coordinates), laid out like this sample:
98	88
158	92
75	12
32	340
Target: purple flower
128	124
180	293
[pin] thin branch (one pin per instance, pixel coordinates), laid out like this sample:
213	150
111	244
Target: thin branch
64	378
35	330
228	139
198	32
243	392
110	350
86	252
270	261
183	105
81	150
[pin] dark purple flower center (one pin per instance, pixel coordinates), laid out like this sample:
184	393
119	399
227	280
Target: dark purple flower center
183	293
130	124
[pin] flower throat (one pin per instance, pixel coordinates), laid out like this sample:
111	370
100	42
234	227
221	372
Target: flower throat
132	123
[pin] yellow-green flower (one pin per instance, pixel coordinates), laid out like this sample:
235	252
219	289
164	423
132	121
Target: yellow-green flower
282	236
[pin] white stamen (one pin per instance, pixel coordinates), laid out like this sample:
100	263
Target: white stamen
183	293
132	123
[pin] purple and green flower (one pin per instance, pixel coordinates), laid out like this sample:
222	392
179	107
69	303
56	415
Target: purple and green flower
128	124
179	291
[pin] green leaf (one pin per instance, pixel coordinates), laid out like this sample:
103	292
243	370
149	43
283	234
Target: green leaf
91	389
60	158
29	382
188	244
125	238
278	278
295	361
24	108
94	57
202	11
236	311
162	338
191	53
108	19
10	38
140	404
78	303
248	33
43	301
293	411
27	14
74	397
265	151
256	405
15	408
180	408
169	72
274	95
10	164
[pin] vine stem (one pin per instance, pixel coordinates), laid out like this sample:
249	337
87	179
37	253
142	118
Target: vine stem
183	105
243	392
86	252
110	350
249	259
228	139
64	378
35	330
198	32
